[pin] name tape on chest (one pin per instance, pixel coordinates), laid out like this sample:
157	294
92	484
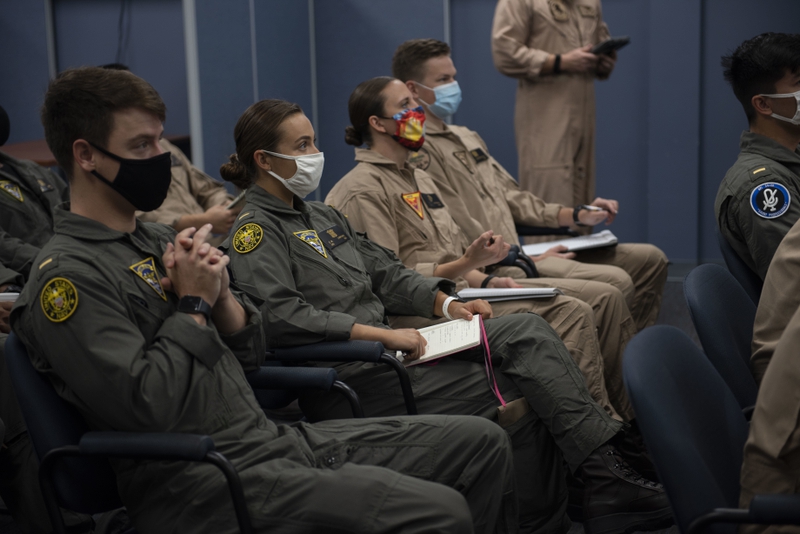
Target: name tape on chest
461	155
478	155
310	238
147	271
414	202
587	11
420	159
770	200
432	200
247	238
334	236
11	189
59	299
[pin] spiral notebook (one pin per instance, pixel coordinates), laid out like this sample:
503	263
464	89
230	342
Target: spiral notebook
448	338
601	239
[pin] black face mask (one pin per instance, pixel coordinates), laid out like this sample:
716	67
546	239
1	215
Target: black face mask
142	182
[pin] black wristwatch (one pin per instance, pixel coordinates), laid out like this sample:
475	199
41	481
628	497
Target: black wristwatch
192	304
13	288
575	213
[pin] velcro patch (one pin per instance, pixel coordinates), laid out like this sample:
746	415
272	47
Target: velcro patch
432	201
770	200
310	238
11	189
247	238
334	236
413	200
59	299
147	271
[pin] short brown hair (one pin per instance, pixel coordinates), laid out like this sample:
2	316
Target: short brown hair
259	128
410	56
80	104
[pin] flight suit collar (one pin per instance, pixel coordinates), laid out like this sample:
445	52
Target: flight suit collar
754	143
435	129
74	225
264	199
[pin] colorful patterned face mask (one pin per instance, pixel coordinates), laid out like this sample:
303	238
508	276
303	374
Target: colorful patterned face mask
410	128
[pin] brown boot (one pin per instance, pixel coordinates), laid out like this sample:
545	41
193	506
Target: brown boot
617	498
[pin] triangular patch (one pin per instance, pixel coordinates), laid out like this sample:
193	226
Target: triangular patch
413	200
146	270
12	189
44	186
310	238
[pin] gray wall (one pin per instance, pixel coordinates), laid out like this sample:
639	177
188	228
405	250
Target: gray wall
667	125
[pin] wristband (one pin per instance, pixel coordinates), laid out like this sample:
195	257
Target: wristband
445	305
486	280
575	213
557	64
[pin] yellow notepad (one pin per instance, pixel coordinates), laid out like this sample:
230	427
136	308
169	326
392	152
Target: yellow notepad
448	338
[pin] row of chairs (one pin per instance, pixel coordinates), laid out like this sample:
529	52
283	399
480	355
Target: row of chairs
694	408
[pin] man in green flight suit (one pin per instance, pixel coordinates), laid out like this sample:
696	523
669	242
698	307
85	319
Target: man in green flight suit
137	328
758	201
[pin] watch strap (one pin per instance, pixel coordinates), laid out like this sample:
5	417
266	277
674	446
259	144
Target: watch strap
192	304
575	213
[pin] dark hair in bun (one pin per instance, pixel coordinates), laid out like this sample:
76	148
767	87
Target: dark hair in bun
259	128
365	101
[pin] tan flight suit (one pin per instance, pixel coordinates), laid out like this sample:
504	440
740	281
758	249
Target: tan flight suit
481	195
371	195
772	452
114	346
554	117
318	277
191	192
779	300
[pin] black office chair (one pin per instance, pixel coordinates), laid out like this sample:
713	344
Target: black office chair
749	280
74	471
723	316
348	351
695	432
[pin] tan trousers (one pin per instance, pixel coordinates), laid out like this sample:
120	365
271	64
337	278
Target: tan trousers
772	452
592	320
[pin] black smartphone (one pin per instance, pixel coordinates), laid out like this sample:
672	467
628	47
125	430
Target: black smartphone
609	45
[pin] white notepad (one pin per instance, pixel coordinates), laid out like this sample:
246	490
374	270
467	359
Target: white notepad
584	242
8	297
448	338
499	294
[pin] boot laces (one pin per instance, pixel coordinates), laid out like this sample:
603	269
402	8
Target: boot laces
628	472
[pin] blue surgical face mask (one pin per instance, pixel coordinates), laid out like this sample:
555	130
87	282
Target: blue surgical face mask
448	98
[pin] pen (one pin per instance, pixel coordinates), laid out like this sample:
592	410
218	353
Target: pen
593	208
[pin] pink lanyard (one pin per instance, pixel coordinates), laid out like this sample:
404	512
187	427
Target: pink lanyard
487	360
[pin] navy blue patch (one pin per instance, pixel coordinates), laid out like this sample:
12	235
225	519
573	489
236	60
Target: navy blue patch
770	200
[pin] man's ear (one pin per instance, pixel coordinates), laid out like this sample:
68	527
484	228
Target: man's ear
762	105
412	86
262	160
83	155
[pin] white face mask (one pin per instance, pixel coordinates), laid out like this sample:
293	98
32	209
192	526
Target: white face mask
794	120
306	178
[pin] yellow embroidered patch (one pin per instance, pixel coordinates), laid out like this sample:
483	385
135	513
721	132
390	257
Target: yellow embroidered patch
59	299
147	271
412	199
12	189
310	238
762	169
247	238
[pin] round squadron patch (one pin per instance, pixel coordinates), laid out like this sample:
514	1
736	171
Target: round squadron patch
420	159
247	238
59	299
770	200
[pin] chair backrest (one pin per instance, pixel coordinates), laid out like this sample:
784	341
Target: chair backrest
691	423
86	485
723	316
750	281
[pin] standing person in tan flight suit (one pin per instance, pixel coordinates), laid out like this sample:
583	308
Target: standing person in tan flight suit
480	194
401	209
545	45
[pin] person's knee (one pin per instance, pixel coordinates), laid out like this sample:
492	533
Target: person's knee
452	512
652	256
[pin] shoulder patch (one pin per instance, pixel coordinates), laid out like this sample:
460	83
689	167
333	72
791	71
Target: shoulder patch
770	200
420	160
12	189
247	238
59	299
147	271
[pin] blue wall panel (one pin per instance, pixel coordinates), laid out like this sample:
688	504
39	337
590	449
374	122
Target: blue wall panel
355	42
23	63
726	23
87	34
226	75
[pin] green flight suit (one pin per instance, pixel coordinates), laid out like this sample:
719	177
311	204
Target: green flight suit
317	277
28	194
758	201
99	325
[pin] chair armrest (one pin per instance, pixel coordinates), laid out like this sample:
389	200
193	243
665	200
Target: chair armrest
292	378
146	446
541	230
776	509
331	351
